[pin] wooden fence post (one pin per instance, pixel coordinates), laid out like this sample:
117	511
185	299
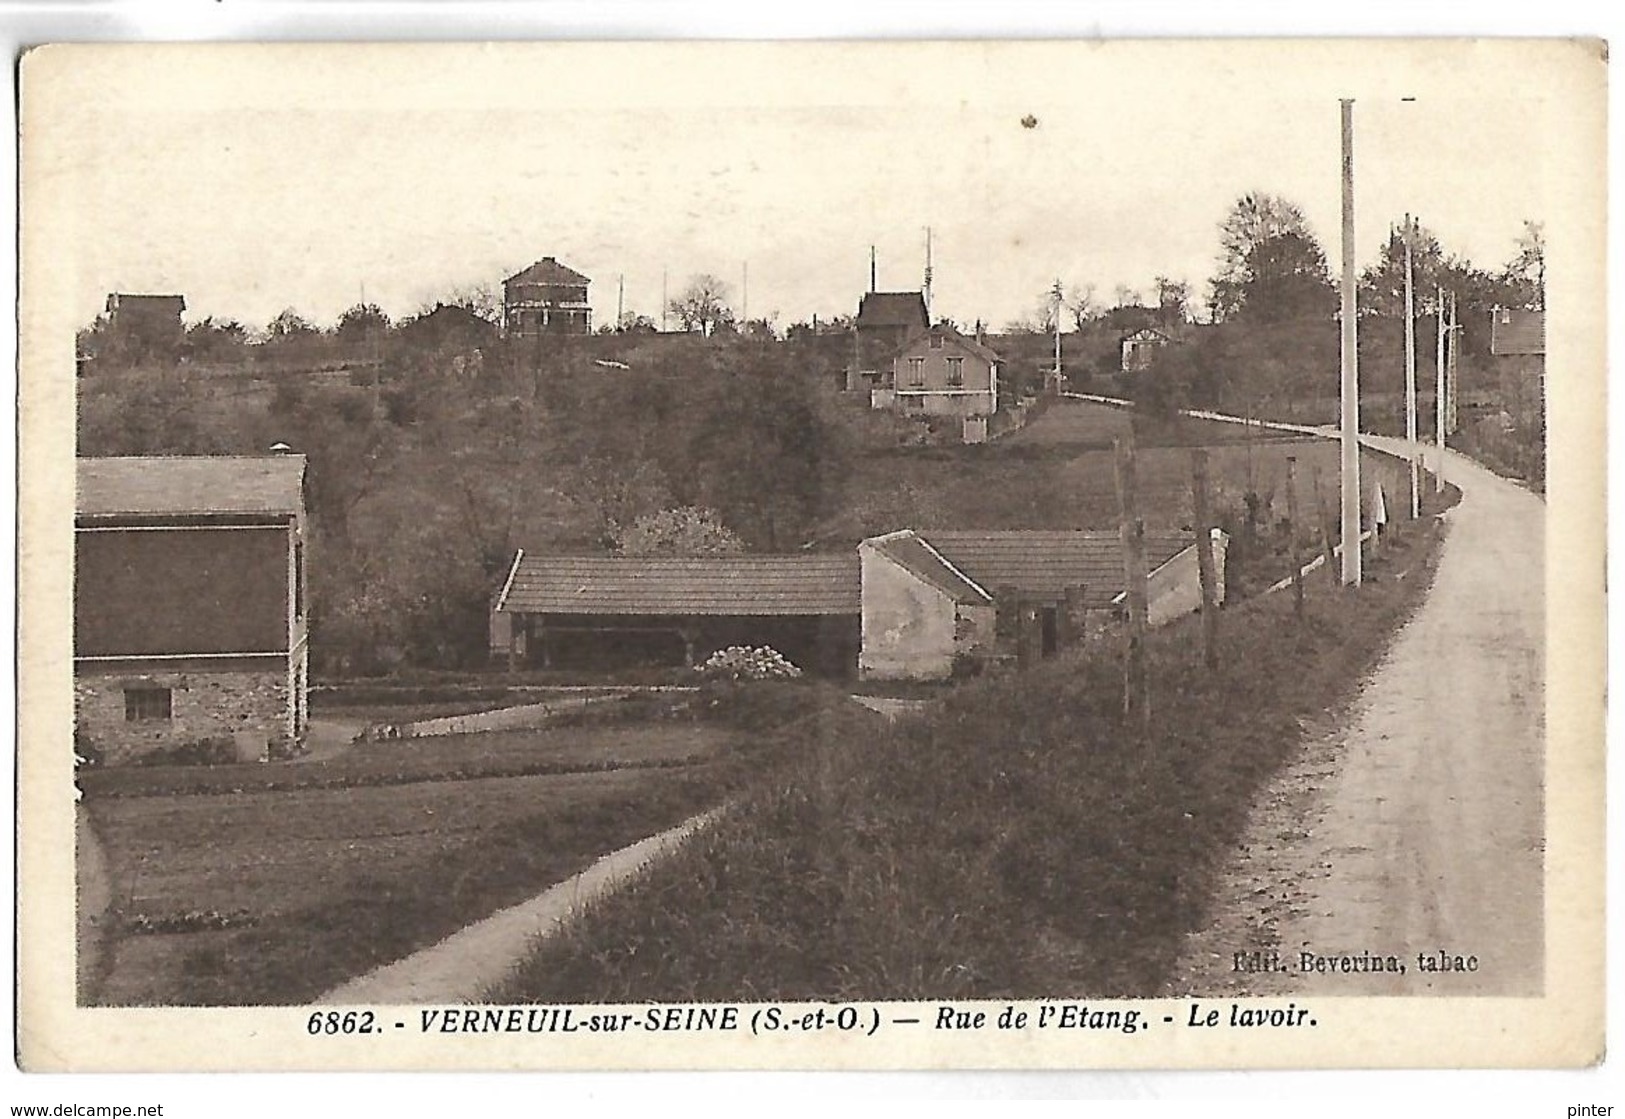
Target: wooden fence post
1131	528
1326	533
1204	559
1292	529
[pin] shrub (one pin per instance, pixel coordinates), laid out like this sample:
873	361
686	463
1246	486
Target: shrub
203	751
741	662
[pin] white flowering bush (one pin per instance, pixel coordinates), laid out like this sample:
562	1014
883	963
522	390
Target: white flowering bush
741	662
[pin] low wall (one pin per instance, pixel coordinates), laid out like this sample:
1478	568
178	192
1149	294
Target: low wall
248	706
522	717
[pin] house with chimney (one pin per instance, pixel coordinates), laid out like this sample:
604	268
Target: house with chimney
189	605
941	372
885	321
143	326
547	298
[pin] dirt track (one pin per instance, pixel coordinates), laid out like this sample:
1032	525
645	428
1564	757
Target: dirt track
1416	825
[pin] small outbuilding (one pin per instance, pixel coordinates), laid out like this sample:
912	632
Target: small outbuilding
938	601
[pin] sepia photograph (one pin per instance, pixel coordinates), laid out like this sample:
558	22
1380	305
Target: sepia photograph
857	555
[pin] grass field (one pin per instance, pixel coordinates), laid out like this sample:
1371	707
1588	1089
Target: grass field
315	885
1020	841
447	757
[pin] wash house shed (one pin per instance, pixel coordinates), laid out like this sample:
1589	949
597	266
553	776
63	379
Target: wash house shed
937	599
613	611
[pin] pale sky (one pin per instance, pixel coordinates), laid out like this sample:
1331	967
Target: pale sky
252	179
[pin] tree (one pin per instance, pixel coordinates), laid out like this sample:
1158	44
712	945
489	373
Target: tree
703	305
289	326
685	530
217	339
480	300
1526	272
1173	301
1382	286
1253	220
361	324
1082	305
1126	296
1285	278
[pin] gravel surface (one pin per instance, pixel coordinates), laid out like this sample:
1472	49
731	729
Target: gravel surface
1412	830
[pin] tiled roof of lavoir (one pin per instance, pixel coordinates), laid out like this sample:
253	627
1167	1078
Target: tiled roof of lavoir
1047	562
915	556
730	586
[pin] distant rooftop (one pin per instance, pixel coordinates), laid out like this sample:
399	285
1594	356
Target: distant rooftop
892	308
1517	332
548	271
202	484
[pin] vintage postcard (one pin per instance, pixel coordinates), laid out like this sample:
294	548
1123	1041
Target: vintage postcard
999	555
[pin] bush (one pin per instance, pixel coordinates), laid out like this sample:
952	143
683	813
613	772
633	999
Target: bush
204	751
740	662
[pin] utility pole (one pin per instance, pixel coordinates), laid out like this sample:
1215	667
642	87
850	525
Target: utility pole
1452	390
927	292
1411	449
665	303
1058	303
1438	395
872	268
744	292
1131	534
1351	372
620	301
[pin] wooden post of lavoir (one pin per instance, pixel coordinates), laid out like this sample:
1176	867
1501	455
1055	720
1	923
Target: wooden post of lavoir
1136	681
1204	559
1292	532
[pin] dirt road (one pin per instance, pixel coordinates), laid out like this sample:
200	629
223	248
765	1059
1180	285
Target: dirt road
1415	826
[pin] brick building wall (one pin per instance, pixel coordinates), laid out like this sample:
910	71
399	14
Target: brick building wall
249	705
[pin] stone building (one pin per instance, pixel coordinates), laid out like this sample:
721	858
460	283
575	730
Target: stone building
189	605
546	298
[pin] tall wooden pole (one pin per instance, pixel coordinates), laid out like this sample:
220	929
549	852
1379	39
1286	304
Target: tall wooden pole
1204	559
1411	448
1452	390
1438	398
1131	529
1351	372
1292	529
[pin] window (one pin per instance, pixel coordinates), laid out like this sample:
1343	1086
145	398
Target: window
143	704
936	341
916	371
956	371
298	579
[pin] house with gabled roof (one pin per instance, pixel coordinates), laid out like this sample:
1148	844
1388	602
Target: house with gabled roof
885	320
935	599
546	298
941	372
189	604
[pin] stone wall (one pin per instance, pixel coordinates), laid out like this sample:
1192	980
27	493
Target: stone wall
249	706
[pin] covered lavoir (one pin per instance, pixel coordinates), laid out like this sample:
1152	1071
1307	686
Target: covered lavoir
605	612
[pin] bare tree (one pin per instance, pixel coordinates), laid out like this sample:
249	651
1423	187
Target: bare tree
1082	305
1527	270
703	305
